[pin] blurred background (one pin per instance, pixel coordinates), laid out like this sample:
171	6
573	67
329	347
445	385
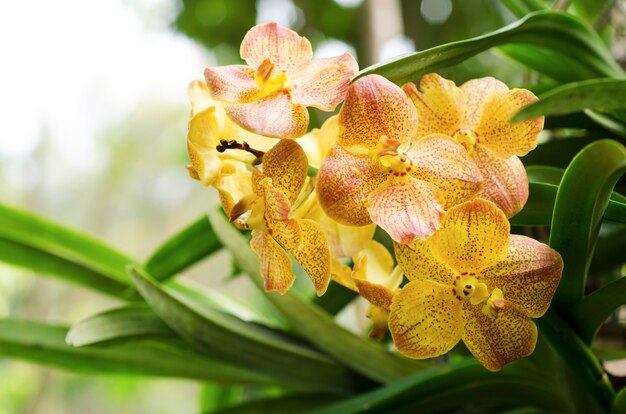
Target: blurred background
93	118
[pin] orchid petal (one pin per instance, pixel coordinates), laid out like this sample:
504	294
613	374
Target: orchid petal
234	83
380	321
496	341
441	161
342	274
528	276
377	295
324	83
375	107
344	184
425	319
201	140
439	105
274	116
418	263
476	91
375	264
286	164
495	130
234	186
284	47
473	235
506	182
275	263
199	96
406	208
318	142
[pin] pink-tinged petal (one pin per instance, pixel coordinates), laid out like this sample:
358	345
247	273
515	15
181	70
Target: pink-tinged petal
418	263
496	341
506	182
324	83
425	319
275	263
284	47
375	107
443	162
199	97
528	276
476	91
439	105
495	130
233	84
344	184
274	116
406	208
286	164
473	235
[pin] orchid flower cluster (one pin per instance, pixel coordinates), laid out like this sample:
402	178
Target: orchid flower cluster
435	166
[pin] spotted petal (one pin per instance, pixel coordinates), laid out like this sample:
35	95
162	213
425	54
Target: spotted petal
425	319
496	341
439	105
286	164
273	116
473	235
406	208
443	162
418	262
275	263
476	91
495	131
528	276
285	48
234	83
375	107
506	182
344	183
324	83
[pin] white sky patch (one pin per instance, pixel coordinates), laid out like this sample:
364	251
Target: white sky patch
349	3
333	47
397	45
436	11
72	67
283	12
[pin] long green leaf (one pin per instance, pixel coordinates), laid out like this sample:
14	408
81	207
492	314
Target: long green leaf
190	245
281	405
599	94
119	323
619	403
580	204
236	341
311	322
521	8
45	344
557	31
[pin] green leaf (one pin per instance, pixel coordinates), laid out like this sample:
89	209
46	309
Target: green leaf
591	10
546	29
608	122
619	403
288	404
258	348
120	323
521	8
581	202
599	94
589	314
189	246
608	354
362	355
45	344
218	396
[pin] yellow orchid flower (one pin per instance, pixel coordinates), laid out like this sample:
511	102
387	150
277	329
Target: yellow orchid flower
267	211
473	281
270	95
374	277
376	174
477	116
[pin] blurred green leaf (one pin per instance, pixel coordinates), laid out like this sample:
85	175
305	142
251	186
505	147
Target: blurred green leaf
619	403
45	344
558	31
604	353
608	122
184	249
120	323
288	404
362	355
591	10
521	8
218	396
581	201
598	94
258	348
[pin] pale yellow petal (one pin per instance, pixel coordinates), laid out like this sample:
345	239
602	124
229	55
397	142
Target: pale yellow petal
234	187
380	321
406	208
425	319
318	142
202	137
284	47
476	91
473	235
342	274
444	163
496	341
418	263
375	107
286	164
506	182
275	263
439	105
528	275
374	263
495	131
199	96
344	184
